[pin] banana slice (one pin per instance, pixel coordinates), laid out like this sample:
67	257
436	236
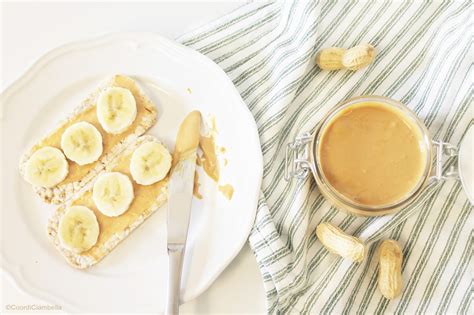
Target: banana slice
78	229
112	193
47	167
82	143
116	109
150	163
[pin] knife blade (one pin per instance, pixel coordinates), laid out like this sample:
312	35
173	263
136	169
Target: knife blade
180	194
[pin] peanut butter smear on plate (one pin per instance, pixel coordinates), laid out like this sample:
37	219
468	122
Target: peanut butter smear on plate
209	160
187	142
227	190
196	192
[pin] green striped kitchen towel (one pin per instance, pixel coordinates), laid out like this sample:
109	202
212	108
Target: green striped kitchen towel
425	61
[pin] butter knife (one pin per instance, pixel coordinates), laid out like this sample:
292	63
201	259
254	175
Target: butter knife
180	195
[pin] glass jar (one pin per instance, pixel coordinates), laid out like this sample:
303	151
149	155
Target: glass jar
303	157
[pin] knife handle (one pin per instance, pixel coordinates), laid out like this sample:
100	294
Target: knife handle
175	266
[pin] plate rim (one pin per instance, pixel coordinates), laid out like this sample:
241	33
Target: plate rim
13	272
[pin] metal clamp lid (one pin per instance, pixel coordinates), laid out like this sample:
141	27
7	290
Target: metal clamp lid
444	149
297	164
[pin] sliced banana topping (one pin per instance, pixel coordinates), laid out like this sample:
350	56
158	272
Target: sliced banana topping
47	167
112	193
116	109
78	229
150	163
82	143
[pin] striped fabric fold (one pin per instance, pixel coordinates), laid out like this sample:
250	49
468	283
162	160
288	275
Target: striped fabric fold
424	60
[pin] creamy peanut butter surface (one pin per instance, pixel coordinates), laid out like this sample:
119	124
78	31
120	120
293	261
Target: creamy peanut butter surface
209	160
372	154
187	140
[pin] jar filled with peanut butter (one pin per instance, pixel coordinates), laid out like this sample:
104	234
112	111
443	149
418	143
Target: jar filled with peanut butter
370	156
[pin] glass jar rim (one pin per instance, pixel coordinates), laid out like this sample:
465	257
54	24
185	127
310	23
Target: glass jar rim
408	114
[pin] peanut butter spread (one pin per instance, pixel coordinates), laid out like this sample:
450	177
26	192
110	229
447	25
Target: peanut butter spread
227	190
187	140
209	160
76	172
196	192
145	196
371	153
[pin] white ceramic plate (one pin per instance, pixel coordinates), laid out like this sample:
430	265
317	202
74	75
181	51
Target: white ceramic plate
133	277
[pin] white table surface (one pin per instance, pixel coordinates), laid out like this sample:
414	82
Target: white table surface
28	30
